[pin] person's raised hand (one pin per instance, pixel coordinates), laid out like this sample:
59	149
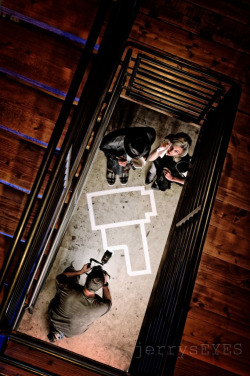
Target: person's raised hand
164	146
86	268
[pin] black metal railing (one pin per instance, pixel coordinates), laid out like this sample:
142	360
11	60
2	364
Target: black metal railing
53	353
76	193
56	135
172	85
80	130
169	303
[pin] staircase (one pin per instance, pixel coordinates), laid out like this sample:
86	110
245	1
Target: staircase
45	142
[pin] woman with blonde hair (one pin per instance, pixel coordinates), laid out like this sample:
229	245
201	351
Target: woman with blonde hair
170	162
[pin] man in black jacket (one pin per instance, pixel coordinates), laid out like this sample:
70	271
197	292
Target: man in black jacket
126	148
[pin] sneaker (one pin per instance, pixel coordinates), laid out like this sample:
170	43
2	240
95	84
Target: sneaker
51	337
124	177
54	335
110	176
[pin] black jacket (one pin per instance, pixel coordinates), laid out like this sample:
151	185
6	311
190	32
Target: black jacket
113	143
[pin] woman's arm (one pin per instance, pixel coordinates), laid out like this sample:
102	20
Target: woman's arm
160	151
169	176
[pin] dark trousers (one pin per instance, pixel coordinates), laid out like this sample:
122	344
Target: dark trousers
113	165
157	169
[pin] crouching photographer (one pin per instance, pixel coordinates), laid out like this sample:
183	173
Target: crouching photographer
75	307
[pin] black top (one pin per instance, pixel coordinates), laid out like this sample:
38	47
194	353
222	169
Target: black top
177	169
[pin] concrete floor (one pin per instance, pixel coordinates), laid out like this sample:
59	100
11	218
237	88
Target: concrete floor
132	221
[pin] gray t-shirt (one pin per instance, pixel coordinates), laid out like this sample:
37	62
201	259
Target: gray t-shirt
71	311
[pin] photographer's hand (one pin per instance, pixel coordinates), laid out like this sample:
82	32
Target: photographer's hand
105	290
85	269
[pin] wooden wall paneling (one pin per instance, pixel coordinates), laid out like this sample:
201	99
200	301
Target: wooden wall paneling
189	366
5	242
234	192
225	272
12	205
184	44
38	55
234	181
199	313
229	196
216	346
227	300
235	167
239	141
75	17
227	246
238	10
28	110
200	21
243	107
231	219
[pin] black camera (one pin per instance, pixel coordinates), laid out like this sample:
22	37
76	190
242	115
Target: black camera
105	258
98	269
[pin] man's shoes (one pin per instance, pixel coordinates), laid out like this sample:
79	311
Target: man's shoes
124	177
51	337
155	186
54	335
110	176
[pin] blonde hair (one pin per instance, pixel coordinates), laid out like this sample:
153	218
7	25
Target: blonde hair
181	140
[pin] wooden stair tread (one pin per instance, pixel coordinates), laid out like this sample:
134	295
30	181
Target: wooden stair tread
12	205
74	17
28	110
5	243
188	365
202	22
20	166
60	57
189	46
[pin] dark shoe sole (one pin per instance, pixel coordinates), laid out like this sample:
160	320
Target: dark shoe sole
155	186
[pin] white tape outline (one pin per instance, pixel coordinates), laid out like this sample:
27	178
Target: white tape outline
141	222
